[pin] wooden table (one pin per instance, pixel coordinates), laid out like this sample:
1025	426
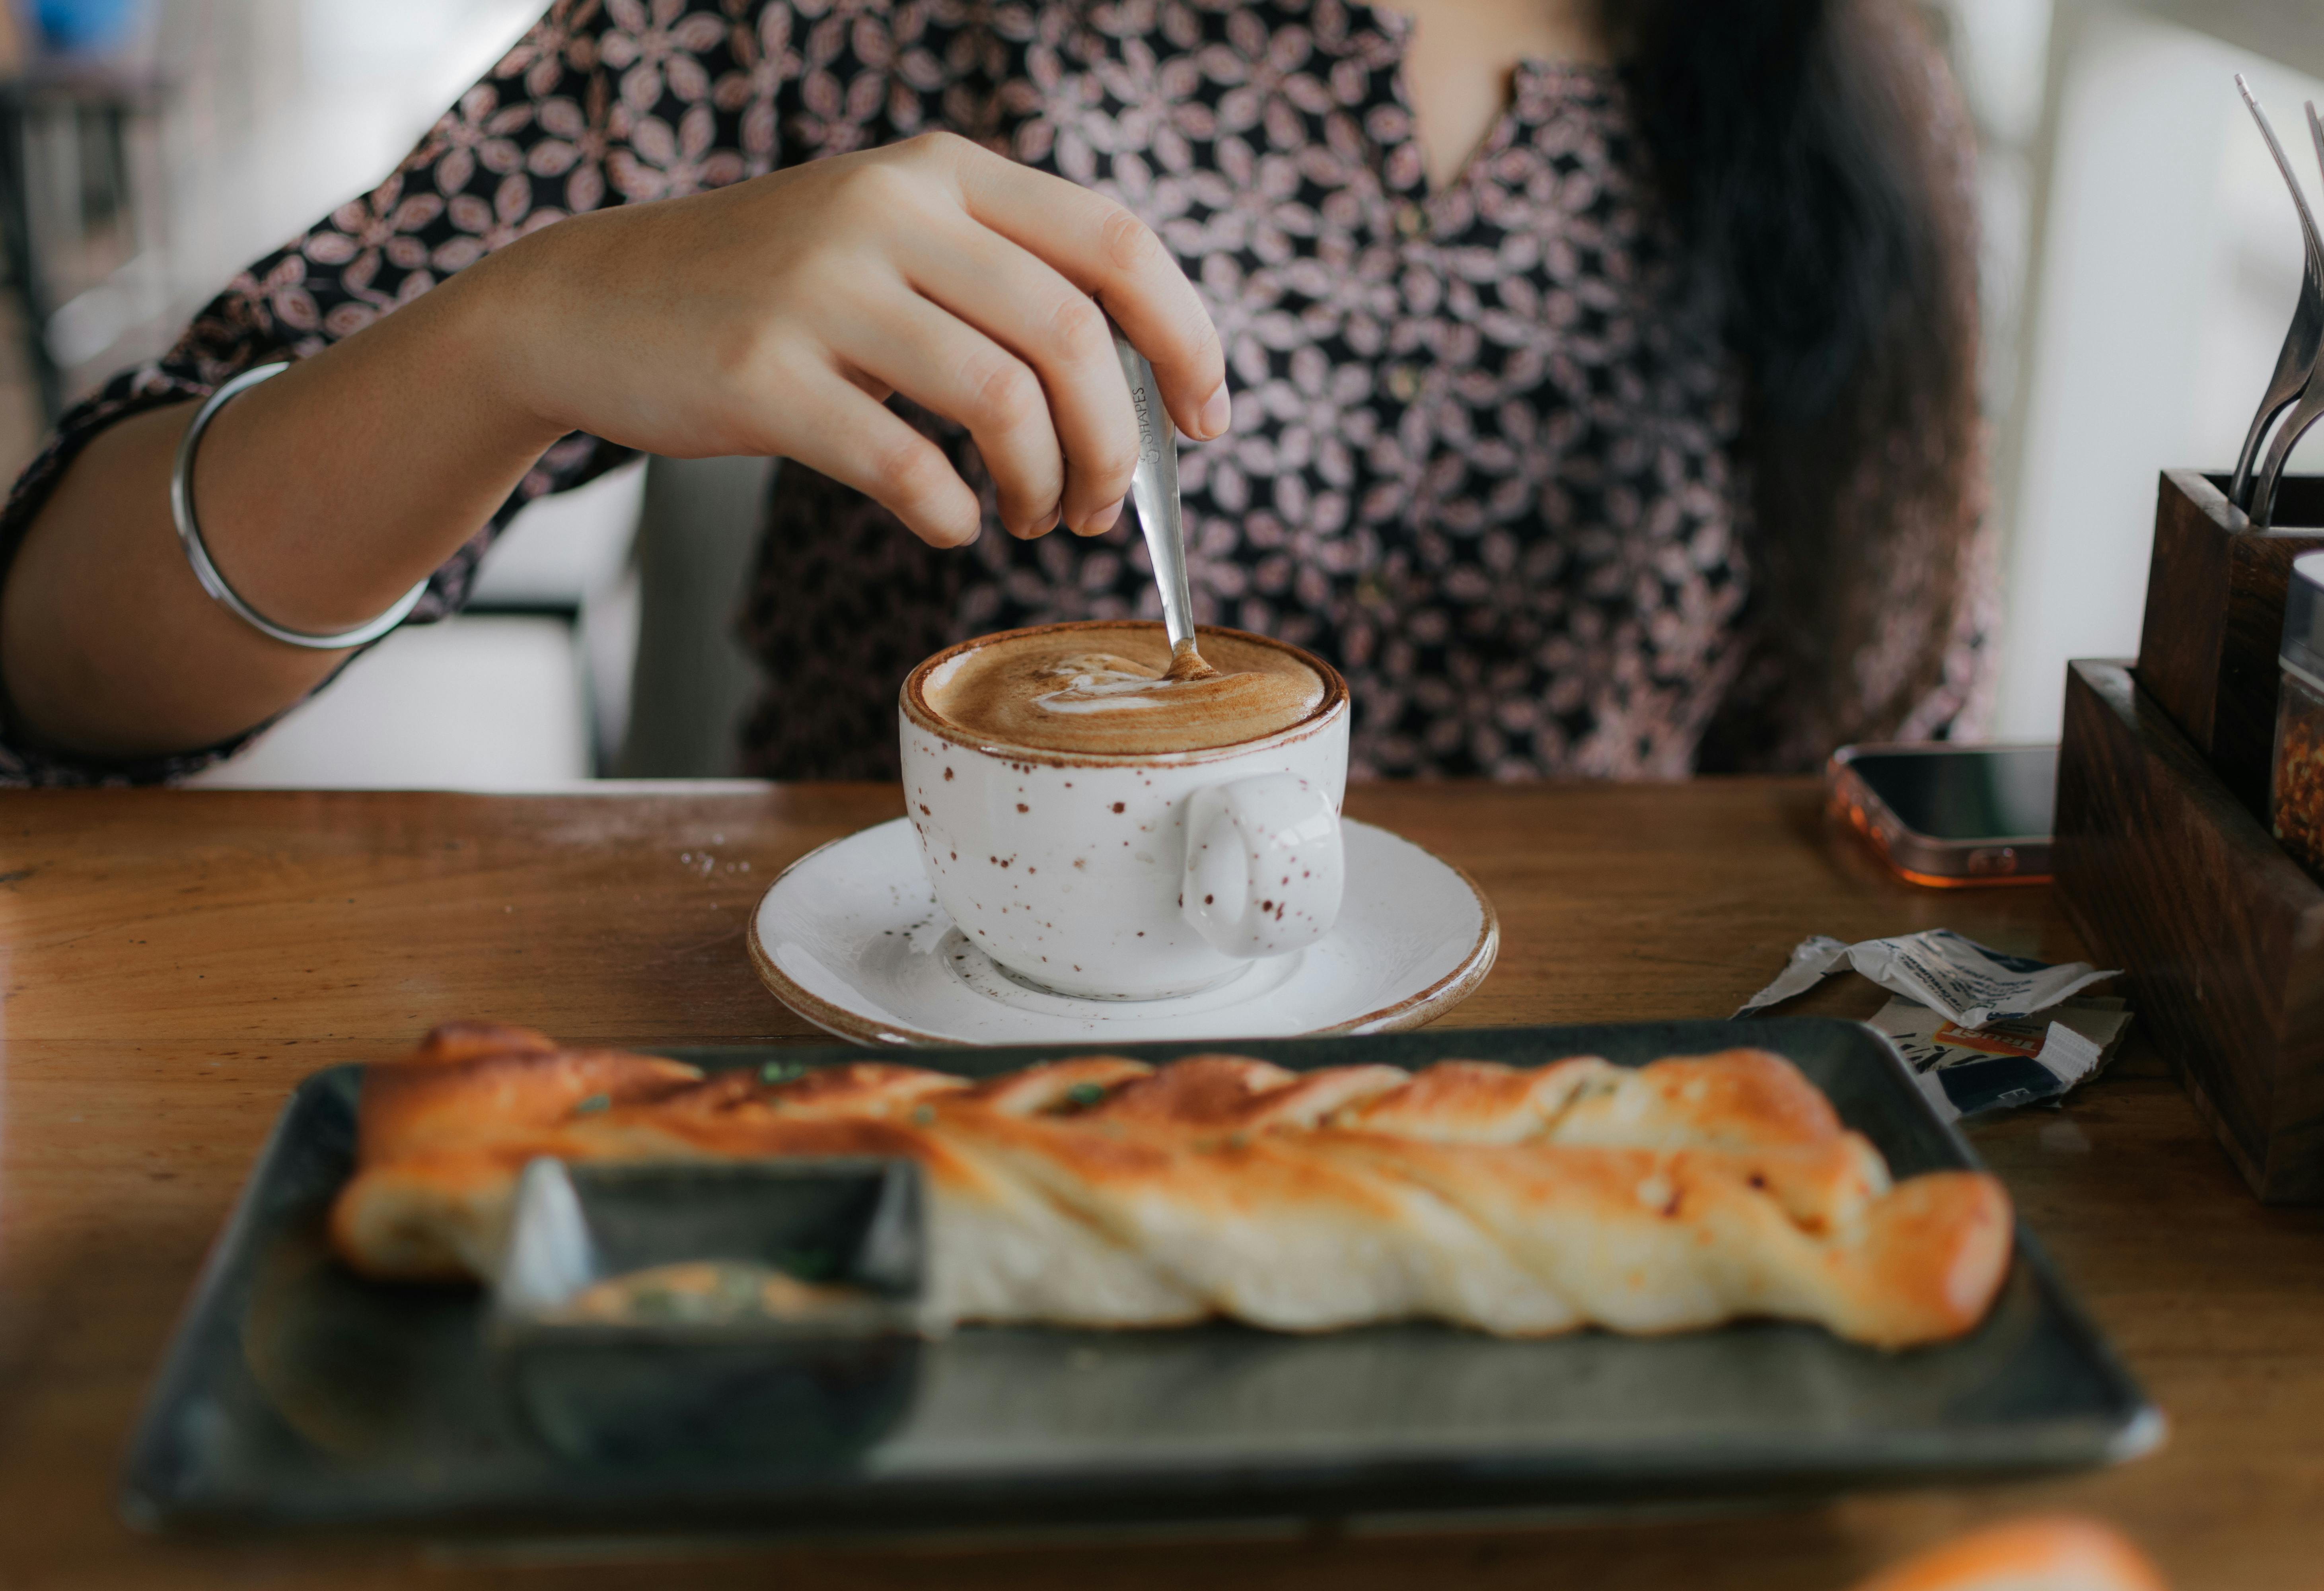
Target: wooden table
172	963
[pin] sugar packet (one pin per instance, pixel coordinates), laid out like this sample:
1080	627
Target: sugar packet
1967	1071
1970	985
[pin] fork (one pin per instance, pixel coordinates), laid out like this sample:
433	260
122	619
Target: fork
2296	366
2311	398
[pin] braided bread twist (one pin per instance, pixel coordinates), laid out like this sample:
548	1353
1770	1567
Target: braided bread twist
1100	1192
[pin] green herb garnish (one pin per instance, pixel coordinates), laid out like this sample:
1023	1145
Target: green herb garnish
776	1071
594	1103
923	1116
1081	1096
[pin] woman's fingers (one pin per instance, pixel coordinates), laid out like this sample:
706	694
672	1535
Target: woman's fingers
1104	249
943	363
932	268
1021	303
835	426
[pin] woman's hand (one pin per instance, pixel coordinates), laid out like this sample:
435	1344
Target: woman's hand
769	318
775	318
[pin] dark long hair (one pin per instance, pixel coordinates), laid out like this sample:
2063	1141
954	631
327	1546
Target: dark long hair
1816	162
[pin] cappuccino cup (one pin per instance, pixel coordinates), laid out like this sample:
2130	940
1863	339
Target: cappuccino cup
1101	830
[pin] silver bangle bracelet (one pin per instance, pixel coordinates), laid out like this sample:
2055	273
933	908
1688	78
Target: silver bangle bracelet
189	537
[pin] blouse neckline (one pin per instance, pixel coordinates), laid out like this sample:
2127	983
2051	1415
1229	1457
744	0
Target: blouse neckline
1533	77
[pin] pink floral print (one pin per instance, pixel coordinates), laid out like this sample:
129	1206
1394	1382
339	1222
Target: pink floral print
1484	457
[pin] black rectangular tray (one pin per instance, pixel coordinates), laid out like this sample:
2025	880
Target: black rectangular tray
296	1395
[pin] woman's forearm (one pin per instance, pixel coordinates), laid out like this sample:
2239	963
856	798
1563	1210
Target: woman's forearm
323	495
772	317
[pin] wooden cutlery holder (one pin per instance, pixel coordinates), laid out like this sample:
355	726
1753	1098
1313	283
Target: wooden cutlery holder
2164	858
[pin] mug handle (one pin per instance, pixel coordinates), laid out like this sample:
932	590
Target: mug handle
1265	866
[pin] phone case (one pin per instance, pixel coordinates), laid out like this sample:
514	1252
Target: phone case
1924	858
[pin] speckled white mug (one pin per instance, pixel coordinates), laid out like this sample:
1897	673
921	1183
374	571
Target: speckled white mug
1130	877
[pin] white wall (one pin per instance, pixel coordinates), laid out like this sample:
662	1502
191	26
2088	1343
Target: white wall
289	107
277	110
2168	262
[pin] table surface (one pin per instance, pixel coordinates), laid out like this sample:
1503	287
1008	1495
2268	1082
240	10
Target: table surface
172	963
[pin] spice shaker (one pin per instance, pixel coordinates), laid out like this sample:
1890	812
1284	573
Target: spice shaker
2296	788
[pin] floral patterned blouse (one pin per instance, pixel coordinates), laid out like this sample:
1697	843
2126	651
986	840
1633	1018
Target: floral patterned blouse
1483	457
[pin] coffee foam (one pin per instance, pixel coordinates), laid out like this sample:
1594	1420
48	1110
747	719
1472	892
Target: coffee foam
1100	689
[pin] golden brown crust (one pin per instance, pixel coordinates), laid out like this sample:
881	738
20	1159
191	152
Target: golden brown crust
1197	1092
481	1097
1478	1101
1934	1251
1311	1097
1056	1085
1102	1192
1736	1099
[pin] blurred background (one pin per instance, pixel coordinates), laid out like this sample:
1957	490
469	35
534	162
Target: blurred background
2140	263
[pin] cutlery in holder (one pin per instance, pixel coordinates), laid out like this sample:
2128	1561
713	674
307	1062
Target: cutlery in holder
2163	854
2214	590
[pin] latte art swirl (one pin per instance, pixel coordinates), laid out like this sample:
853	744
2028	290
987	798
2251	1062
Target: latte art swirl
1102	683
1106	690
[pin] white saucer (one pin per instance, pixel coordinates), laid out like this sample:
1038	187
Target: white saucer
852	938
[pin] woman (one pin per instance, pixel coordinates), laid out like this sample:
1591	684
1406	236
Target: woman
1601	399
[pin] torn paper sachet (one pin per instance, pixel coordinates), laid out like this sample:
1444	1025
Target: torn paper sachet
1965	1072
1969	984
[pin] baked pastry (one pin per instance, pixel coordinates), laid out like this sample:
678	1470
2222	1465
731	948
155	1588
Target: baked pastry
1100	1192
2054	1554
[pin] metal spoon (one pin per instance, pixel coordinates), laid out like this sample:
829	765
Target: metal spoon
2296	366
1154	489
2311	398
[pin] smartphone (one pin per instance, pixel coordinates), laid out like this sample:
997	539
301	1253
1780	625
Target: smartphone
1952	816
